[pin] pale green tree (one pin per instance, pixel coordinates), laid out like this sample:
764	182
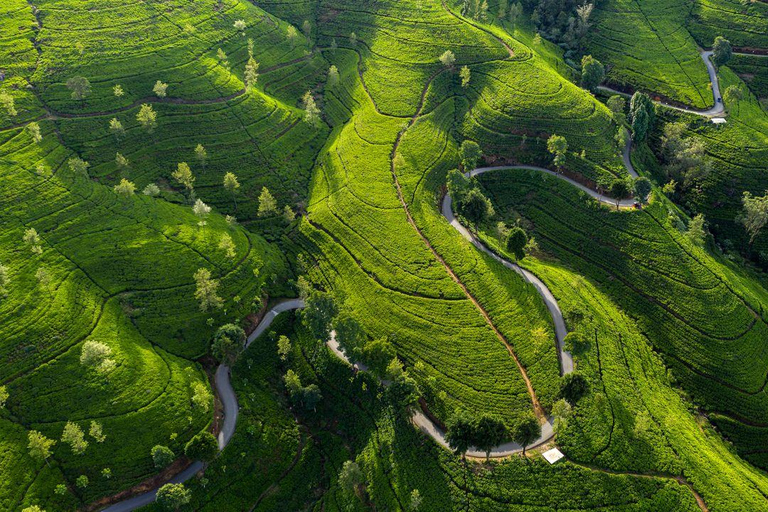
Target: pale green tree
267	203
73	436
207	290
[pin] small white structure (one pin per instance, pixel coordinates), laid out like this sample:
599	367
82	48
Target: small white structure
553	455
718	120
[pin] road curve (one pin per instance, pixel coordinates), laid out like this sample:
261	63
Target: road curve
229	405
717	110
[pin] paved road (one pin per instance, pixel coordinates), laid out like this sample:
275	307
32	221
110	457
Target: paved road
229	405
717	110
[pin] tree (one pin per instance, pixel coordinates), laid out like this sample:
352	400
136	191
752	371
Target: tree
561	410
201	211
4	280
147	118
78	166
201	396
82	481
525	430
460	432
240	25
283	347
80	87
516	242
183	176
96	432
8	103
292	34
228	343
592	72
403	392
223	60
573	386
116	128
288	214
267	203
377	354
350	476
73	435
206	290
515	11
311	396
306	28
415	502
202	447
353	39
106	473
201	154
318	314
465	74
251	75
292	382
575	343
33	508
173	496
475	207
311	110
151	190
121	162
642	115
349	333
732	95
333	76
489	432
469	154
619	190
96	356
231	185
617	104
696	232
160	89
125	188
162	456
721	51
227	245
755	214
642	188
43	277
117	90
39	446
3	396
34	131
558	146
32	239
448	59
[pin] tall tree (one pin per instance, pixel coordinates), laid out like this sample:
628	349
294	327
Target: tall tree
173	496
228	343
558	146
755	214
592	72
516	241
183	176
460	432
465	74
267	203
525	430
116	128
34	131
696	231
490	432
448	59
125	188
202	447
160	89
318	314
311	110
231	185
80	87
39	446
721	51
201	211
73	435
207	290
619	190
642	115
642	187
147	118
251	75
469	154
162	456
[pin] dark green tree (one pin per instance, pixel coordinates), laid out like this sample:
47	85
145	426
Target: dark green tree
173	496
162	456
525	430
460	432
228	343
318	314
721	51
489	432
377	354
592	72
619	190
202	447
475	207
643	188
573	386
516	242
470	154
642	115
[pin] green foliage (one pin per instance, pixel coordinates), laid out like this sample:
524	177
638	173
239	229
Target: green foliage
162	456
573	387
721	51
592	72
227	343
469	154
173	496
516	242
202	447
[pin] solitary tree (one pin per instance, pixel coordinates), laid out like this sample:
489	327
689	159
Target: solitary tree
558	146
32	239
201	154
147	118
4	280
202	447
231	184
448	59
73	435
721	51
267	203
160	89
415	502
333	76
350	476
116	128
117	90
251	75
80	87
227	245
121	162
306	27
183	176
592	72
8	103
201	211
288	214
240	25
732	95
469	154
525	430
643	188
283	347
162	456
34	131
78	166
222	58
696	232
173	496
311	110
207	290
617	104
489	433
125	188
39	446
318	314
642	115
96	432
465	74
755	214
96	356
561	410
516	242
151	190
619	190
228	343
573	386
475	207
43	277
460	432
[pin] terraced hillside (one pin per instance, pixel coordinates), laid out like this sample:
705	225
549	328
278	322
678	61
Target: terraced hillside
171	166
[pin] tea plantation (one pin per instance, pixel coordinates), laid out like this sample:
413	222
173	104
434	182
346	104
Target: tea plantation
227	282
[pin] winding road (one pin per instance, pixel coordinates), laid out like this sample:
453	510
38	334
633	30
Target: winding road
229	398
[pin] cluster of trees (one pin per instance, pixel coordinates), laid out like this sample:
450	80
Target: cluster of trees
684	158
486	432
40	447
565	22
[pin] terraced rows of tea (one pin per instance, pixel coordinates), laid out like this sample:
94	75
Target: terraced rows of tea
168	167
